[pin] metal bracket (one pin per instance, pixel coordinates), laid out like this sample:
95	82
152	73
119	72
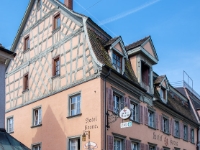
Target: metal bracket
111	117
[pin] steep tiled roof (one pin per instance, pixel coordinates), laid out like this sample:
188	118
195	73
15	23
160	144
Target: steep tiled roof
7	142
111	41
136	44
159	79
177	105
102	55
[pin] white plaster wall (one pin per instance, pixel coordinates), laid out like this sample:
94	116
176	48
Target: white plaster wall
2	95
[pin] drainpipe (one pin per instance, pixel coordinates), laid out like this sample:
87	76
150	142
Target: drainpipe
105	108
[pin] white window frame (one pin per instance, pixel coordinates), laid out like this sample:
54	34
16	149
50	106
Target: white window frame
10	124
134	111
165	124
76	144
185	132
176	129
37	147
151	118
134	145
120	143
117	105
77	104
192	136
37	116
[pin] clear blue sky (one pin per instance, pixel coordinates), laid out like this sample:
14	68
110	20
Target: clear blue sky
174	26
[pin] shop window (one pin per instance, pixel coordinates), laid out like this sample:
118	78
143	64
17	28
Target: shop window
151	119
165	125
74	144
37	116
10	128
176	129
25	82
36	147
134	146
75	102
118	144
117	62
26	43
117	103
134	112
56	21
192	135
56	66
185	132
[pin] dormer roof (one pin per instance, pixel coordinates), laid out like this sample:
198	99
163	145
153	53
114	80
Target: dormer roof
111	41
162	81
144	46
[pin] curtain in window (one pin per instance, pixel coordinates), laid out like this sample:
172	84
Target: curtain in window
73	144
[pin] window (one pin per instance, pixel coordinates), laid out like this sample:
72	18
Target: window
117	103
36	147
38	4
192	135
152	147
185	131
117	144
165	125
26	43
75	105
134	112
37	116
151	118
26	79
176	129
10	125
56	66
74	144
117	62
163	93
134	146
145	74
56	23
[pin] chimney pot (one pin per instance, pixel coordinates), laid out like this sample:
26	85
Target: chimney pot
69	4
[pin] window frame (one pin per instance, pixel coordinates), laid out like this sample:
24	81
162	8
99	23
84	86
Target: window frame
185	135
154	146
39	116
55	24
26	43
136	141
7	124
192	137
149	111
118	59
36	144
137	111
165	124
26	82
143	64
54	66
74	138
175	135
39	4
69	104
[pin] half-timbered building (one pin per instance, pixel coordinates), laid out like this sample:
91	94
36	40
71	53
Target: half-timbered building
70	79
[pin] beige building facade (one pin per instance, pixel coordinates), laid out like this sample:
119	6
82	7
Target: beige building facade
70	78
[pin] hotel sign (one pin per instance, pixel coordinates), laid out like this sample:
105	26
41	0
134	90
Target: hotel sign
125	113
126	124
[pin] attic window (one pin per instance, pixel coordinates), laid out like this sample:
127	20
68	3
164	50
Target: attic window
163	93
26	43
145	74
117	62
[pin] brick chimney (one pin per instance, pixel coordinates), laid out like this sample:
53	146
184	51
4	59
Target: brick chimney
69	4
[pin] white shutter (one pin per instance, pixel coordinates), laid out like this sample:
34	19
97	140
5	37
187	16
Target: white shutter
39	116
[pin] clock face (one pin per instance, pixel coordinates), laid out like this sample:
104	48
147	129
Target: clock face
125	113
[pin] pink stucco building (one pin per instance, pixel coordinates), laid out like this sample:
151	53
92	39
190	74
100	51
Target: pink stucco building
70	77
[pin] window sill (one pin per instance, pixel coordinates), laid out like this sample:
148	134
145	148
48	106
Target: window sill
74	116
11	132
25	91
36	126
185	140
152	127
166	133
176	137
58	75
56	30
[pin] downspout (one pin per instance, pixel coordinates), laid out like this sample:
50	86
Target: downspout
105	107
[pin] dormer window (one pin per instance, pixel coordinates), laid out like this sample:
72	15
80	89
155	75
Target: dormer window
163	93
117	62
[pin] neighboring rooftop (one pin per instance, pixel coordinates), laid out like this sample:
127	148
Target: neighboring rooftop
136	44
7	142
